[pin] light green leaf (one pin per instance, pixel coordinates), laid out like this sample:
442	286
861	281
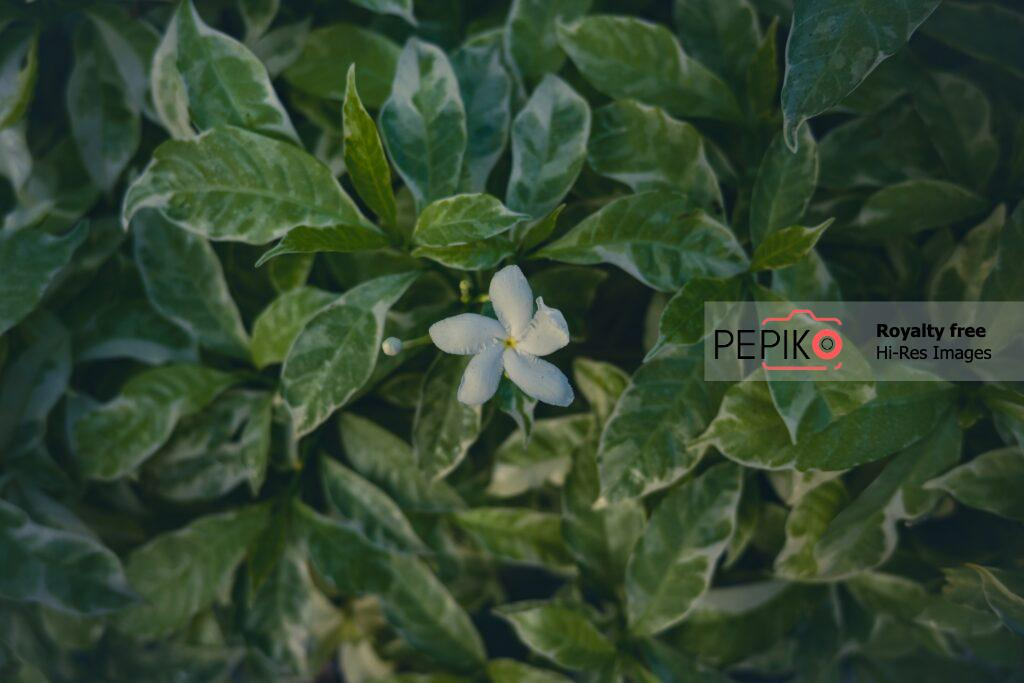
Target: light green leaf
601	384
984	30
230	184
104	119
530	37
517	535
600	540
991	481
657	237
257	15
429	618
749	430
364	155
625	57
330	51
682	320
424	123
482	255
673	561
644	446
180	573
462	219
784	185
30	261
211	453
167	86
786	247
644	148
444	428
806	523
722	34
834	45
15	157
369	509
224	82
110	440
277	326
486	89
522	464
185	282
560	633
864	534
62	569
911	207
957	115
398	8
19	63
335	354
1004	591
512	671
389	462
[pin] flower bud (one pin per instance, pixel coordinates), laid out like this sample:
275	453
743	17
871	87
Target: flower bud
392	346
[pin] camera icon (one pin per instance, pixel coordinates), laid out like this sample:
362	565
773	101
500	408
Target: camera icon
826	343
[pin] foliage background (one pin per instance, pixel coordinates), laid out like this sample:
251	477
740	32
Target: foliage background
208	474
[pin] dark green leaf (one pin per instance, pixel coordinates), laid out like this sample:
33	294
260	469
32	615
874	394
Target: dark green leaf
784	185
560	633
328	53
364	155
786	247
444	428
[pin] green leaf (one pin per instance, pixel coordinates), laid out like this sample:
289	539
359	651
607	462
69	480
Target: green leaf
180	573
335	239
398	8
786	247
347	561
990	482
601	384
104	119
364	155
517	405
335	354
167	86
389	462
657	237
185	282
257	15
328	53
511	671
424	123
517	535
31	260
277	326
761	79
984	30
211	453
808	279
63	569
600	540
482	255
560	633
1004	591
230	184
911	207
369	509
426	614
625	57
646	149
111	439
461	219
572	290
280	47
682	320
673	561
444	428
224	82
863	535
19	63
722	34
486	89
645	444
957	115
962	276
806	523
530	36
749	430
1006	279
784	185
834	45
522	464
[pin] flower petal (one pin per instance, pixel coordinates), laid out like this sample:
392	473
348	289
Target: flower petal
537	378
466	333
480	380
546	333
512	299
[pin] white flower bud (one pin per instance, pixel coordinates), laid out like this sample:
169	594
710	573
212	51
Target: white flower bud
392	346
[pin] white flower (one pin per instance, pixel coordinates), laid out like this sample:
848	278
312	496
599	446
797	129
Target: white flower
510	343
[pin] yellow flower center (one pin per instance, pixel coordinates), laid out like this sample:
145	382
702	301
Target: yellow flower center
510	343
